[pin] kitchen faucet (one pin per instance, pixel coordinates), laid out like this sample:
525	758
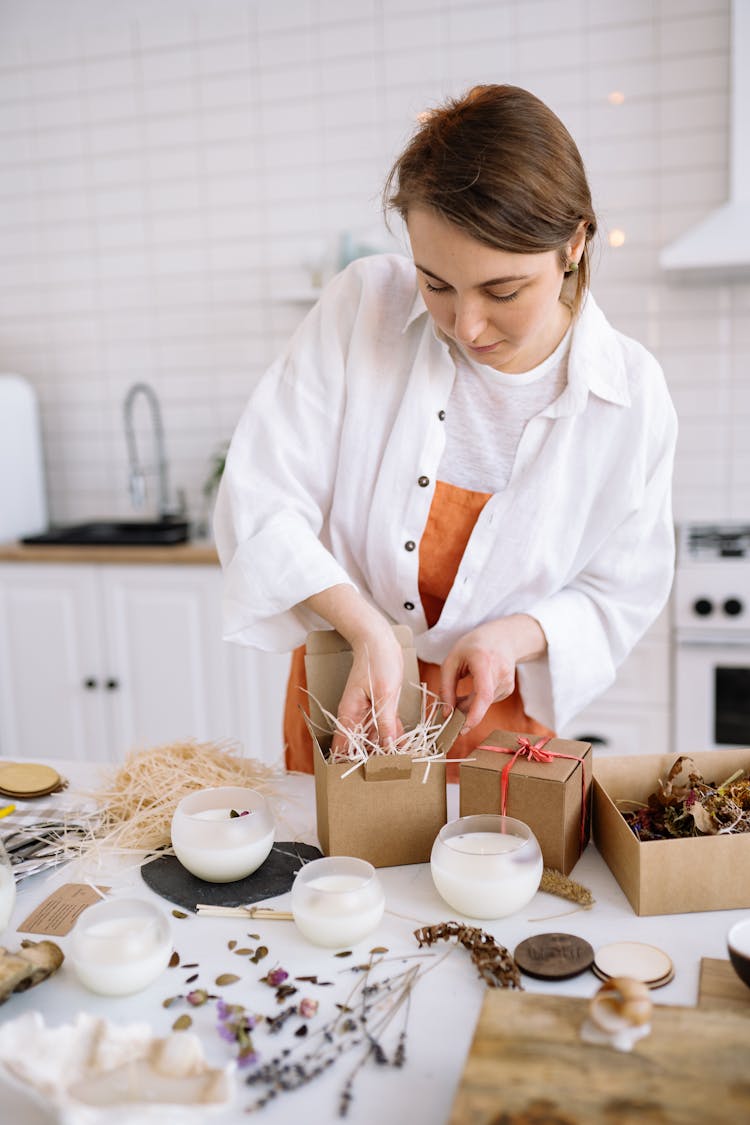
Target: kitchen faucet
137	473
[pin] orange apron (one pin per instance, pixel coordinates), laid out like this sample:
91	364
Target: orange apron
453	513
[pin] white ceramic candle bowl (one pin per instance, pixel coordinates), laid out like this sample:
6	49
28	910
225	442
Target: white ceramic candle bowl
213	844
337	901
7	889
738	944
119	946
486	866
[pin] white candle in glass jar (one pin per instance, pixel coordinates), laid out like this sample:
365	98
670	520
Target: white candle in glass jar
486	866
7	893
120	946
337	901
215	845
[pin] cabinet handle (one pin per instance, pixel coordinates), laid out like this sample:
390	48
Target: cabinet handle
90	683
112	685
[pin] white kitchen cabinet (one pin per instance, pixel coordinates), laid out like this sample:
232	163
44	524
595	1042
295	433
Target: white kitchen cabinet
99	659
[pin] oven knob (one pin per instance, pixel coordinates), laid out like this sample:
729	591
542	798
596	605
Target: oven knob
703	607
733	607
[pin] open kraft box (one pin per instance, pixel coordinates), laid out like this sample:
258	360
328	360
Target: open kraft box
669	876
390	809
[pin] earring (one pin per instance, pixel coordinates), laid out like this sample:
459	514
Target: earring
572	267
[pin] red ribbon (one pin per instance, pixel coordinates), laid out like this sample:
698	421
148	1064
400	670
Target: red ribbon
535	752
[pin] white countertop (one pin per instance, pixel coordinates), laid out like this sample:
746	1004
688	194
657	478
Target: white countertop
444	1006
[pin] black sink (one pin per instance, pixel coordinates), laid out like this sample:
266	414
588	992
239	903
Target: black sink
114	533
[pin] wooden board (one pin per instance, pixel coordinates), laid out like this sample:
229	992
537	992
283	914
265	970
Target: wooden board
720	987
528	1066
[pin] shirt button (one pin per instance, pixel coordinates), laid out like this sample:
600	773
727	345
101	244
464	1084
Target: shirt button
409	545
408	605
423	482
441	415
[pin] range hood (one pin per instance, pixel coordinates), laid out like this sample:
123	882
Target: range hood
719	245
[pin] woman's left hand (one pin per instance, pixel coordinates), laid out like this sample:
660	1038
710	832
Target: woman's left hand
489	655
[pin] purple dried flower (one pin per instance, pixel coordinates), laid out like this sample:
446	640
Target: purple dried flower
275	977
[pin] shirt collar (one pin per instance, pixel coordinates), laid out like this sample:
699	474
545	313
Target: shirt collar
595	362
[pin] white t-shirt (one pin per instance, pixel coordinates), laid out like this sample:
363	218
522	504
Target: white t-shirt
487	413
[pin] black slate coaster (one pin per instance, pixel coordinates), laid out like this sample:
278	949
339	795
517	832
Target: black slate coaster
274	877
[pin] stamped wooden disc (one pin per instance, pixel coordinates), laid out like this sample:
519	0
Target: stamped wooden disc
28	779
554	956
645	963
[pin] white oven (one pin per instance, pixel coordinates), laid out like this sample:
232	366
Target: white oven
711	634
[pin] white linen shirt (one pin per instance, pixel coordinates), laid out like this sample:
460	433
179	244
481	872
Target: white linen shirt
331	472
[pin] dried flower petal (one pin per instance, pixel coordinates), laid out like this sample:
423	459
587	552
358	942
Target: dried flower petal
226	978
308	1007
174	960
231	944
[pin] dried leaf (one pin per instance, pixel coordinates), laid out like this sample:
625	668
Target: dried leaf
189	980
343	953
245	952
170	1001
226	978
259	954
254	937
704	822
174	960
190	965
379	949
182	1023
231	944
179	914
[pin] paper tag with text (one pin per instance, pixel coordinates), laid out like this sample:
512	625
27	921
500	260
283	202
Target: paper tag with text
57	914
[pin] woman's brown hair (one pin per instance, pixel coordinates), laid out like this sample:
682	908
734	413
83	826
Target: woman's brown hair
499	164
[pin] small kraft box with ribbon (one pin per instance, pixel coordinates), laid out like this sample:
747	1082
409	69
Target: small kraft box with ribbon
545	782
389	808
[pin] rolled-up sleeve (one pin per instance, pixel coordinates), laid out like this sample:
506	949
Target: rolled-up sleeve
592	624
275	492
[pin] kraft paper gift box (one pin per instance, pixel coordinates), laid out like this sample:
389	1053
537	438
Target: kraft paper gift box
669	876
389	810
552	797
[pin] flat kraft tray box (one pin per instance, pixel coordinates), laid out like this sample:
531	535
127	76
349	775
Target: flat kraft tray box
669	876
547	796
386	811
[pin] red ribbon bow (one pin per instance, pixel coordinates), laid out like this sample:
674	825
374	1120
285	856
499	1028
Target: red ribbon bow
535	752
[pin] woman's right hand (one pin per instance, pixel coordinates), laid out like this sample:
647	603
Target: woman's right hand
372	690
370	697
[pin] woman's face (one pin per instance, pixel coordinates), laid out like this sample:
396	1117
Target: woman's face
503	309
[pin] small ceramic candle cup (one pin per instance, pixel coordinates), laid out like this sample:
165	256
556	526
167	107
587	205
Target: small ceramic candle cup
337	901
222	834
7	889
738	944
486	866
119	946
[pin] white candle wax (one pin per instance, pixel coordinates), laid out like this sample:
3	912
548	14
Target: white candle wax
486	874
337	901
120	947
7	894
216	846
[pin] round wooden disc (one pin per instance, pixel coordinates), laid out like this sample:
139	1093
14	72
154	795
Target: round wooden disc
24	779
659	983
633	959
553	956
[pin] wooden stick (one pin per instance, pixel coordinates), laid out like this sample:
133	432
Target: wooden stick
266	913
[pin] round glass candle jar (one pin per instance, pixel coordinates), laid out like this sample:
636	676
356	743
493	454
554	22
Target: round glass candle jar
119	946
738	945
7	889
337	901
486	866
215	845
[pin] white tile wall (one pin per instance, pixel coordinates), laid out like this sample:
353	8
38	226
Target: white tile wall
168	168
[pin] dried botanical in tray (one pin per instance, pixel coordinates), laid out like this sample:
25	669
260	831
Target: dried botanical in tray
680	807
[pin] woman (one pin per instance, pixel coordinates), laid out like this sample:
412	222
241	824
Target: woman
460	443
